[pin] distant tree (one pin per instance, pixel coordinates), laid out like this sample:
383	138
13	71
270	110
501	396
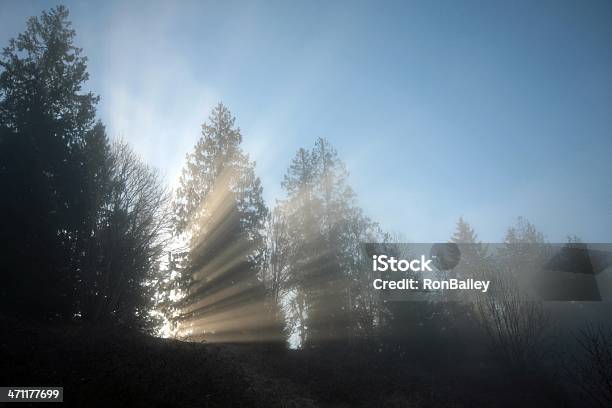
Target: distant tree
474	254
524	252
441	320
53	167
523	241
464	233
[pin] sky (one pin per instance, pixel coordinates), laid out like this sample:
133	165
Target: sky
486	110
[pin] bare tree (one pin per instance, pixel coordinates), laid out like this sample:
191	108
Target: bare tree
591	368
133	231
276	272
514	321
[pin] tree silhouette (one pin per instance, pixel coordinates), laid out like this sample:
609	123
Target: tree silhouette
82	222
131	234
52	166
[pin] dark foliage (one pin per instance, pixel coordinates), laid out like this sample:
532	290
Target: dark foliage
589	367
52	150
102	366
81	222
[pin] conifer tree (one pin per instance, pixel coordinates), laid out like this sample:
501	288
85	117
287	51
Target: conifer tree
473	252
327	228
81	222
220	211
53	167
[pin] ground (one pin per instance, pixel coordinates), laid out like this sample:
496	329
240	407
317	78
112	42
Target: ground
103	366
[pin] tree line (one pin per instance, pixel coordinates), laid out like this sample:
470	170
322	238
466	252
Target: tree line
87	224
92	233
83	218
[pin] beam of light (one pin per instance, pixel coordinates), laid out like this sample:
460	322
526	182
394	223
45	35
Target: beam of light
226	301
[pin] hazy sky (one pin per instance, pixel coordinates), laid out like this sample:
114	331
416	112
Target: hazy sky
440	109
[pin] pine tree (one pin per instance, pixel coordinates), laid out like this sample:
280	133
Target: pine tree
473	252
53	157
464	233
218	167
220	210
81	222
523	245
327	229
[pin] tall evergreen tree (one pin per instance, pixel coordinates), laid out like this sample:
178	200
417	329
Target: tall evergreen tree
220	210
327	229
473	253
53	156
82	223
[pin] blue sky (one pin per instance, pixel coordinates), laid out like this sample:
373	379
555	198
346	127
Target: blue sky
487	110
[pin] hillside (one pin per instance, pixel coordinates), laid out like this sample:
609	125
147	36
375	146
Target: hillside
110	367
